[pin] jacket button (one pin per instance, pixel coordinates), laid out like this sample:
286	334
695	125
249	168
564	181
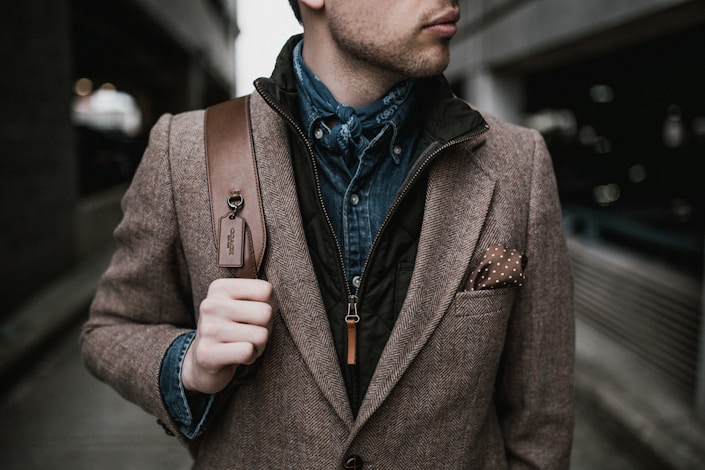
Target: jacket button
354	462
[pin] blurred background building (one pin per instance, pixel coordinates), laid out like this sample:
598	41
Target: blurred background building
83	82
616	88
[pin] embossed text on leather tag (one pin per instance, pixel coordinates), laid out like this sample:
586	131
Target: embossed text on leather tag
231	249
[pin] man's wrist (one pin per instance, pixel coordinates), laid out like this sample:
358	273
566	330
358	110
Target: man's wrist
190	409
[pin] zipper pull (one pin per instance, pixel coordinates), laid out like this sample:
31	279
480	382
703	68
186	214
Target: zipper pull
351	320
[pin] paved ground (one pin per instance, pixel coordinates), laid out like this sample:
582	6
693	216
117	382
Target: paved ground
59	417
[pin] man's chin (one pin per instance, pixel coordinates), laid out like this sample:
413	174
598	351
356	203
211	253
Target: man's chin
431	68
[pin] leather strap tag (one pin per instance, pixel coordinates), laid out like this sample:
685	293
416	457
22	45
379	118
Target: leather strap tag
231	249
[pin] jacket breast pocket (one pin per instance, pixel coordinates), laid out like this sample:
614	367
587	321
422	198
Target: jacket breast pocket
479	303
476	324
467	345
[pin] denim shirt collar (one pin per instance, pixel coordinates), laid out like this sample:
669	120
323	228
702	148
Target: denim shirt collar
354	130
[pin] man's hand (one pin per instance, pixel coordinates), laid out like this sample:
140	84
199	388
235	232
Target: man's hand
234	323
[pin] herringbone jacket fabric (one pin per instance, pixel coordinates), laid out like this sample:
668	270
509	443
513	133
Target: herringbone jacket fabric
469	379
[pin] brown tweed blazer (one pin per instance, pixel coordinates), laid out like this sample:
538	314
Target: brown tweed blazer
469	379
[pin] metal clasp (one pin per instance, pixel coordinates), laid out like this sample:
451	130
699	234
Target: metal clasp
235	202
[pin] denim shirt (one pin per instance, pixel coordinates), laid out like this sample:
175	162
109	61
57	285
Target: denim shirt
359	189
358	182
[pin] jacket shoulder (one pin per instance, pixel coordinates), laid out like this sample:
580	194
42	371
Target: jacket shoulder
189	123
509	147
503	131
172	129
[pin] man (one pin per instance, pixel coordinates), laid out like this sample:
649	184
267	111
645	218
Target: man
416	311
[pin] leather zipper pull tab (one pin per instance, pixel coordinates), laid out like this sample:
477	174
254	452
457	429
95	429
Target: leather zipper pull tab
351	320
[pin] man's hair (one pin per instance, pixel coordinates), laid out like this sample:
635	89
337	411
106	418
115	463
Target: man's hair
297	11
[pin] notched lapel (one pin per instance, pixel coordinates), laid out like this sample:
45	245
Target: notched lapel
457	203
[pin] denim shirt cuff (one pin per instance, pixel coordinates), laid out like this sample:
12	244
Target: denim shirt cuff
190	410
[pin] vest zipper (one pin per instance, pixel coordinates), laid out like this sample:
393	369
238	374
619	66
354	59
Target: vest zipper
352	299
352	318
410	182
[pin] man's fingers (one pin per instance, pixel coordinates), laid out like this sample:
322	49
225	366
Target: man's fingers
227	333
249	301
221	355
234	324
242	311
242	289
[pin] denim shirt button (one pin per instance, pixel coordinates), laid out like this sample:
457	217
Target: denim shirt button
397	150
354	200
356	281
318	133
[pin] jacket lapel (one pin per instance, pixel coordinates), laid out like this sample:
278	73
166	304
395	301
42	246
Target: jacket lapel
457	202
287	260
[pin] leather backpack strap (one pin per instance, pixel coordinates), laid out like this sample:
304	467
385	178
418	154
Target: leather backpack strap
236	207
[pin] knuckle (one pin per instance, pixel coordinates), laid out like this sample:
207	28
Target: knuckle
206	358
208	329
216	285
208	306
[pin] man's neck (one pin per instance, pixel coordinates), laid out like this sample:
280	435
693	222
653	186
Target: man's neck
352	82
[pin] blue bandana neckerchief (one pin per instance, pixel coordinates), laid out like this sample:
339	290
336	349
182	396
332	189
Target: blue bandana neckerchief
353	128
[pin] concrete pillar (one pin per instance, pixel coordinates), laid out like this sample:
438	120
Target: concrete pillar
37	168
501	95
195	86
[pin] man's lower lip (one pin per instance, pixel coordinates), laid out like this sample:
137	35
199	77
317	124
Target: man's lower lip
443	29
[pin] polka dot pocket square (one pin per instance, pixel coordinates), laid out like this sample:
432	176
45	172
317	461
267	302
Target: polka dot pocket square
501	267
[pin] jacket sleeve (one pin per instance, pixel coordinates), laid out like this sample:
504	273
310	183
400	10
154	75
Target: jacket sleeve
535	383
143	301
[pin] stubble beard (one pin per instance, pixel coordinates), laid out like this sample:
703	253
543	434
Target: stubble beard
392	58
